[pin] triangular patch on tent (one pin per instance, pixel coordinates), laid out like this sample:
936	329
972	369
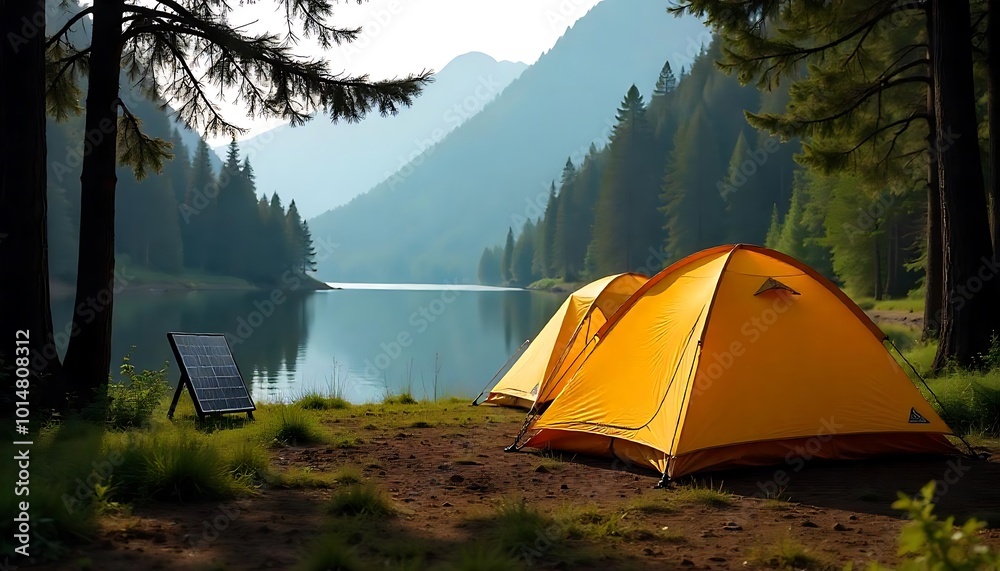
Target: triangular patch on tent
534	390
771	284
917	418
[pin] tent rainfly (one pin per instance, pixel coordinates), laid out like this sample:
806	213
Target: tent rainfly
735	356
561	341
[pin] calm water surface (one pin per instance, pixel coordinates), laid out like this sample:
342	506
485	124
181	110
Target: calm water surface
364	340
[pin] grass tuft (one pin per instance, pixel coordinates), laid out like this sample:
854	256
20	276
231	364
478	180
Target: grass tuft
289	425
360	500
316	401
402	398
787	554
704	494
172	466
331	553
516	524
480	557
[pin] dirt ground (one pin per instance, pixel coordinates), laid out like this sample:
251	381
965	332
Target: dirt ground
914	319
443	474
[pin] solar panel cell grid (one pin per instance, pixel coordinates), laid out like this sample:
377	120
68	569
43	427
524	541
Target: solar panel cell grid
215	378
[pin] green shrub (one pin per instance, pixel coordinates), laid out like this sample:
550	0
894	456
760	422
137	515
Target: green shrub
132	400
931	544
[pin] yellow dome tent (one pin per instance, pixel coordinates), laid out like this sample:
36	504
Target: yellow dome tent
563	337
736	355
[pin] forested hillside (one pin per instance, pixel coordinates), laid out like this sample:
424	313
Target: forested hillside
189	217
429	221
684	170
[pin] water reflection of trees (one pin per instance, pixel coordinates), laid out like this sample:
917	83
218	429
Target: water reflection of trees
523	315
267	339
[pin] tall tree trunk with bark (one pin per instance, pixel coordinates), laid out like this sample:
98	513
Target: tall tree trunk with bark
24	265
992	85
968	313
88	359
933	272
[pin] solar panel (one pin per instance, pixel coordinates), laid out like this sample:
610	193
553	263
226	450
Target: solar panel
210	373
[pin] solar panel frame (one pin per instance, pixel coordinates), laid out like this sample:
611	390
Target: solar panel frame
211	374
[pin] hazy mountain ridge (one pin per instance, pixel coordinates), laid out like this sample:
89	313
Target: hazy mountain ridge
430	220
321	165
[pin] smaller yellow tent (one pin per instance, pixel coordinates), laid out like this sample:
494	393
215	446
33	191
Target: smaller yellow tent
562	339
735	356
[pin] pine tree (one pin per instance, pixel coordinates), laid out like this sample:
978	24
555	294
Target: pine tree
690	198
178	169
565	224
660	104
489	268
524	250
625	225
507	258
198	216
773	230
308	252
298	244
545	252
744	193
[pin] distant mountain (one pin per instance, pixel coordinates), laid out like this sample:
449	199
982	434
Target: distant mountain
430	220
322	165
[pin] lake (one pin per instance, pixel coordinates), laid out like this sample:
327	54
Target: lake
364	340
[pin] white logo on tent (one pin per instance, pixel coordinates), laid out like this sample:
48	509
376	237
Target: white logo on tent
917	418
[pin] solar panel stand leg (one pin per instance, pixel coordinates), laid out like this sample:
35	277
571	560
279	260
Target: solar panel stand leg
177	396
250	416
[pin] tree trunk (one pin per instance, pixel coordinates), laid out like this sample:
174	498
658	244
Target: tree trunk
992	85
88	358
968	314
933	272
24	264
878	270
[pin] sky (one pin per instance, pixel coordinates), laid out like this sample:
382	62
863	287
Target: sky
407	36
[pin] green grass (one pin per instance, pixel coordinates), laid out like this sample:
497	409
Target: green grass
179	465
360	500
332	553
515	524
969	401
480	557
316	401
404	398
651	505
908	304
289	425
787	554
705	494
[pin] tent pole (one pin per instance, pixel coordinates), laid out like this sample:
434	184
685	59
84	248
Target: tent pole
475	401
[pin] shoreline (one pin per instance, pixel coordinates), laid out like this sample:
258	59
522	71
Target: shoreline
60	288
